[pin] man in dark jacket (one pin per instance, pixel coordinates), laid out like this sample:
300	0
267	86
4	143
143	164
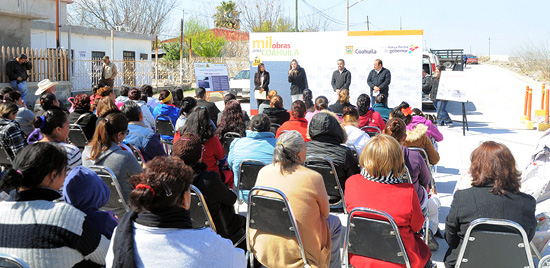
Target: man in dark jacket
426	83
211	107
379	80
341	78
16	70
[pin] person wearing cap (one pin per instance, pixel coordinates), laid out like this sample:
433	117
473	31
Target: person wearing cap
44	87
108	73
16	70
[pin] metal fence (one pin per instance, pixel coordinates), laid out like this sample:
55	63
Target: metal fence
46	63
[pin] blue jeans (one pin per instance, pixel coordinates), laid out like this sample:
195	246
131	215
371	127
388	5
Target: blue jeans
443	116
335	229
21	87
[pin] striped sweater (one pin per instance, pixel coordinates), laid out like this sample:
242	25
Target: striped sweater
49	234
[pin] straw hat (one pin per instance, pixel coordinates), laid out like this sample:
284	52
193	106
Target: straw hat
43	86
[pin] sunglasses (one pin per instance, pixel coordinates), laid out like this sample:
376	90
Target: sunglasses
125	132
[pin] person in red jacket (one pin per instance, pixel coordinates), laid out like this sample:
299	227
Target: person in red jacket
297	121
367	115
380	186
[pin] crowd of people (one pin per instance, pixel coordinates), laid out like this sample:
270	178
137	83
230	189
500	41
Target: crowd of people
59	213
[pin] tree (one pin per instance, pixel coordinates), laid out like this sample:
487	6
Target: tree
227	16
172	50
140	16
262	16
204	43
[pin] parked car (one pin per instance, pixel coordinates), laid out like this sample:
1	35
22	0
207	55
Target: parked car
471	59
240	84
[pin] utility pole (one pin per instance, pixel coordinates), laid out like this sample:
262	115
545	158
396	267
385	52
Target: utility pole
489	48
368	23
347	15
181	49
57	9
296	27
400	23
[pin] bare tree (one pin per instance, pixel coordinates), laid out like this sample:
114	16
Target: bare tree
141	16
533	58
261	15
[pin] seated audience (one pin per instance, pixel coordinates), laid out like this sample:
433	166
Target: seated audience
104	150
5	90
276	112
297	121
47	101
199	124
321	103
267	102
139	135
257	145
54	127
226	99
148	119
158	232
343	101
381	106
42	231
231	120
327	137
107	92
218	197
166	107
147	93
367	115
211	107
86	191
177	94
105	107
432	132
12	137
187	105
308	100
24	116
83	115
494	194
320	232
416	137
124	90
357	138
380	186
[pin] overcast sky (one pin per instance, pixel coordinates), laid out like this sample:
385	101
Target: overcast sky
466	24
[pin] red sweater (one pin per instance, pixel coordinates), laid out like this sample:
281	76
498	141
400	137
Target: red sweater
213	151
298	124
401	202
372	118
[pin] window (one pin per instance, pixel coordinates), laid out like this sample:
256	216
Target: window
129	67
97	65
143	56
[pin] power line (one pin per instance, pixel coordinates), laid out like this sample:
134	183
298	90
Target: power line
331	19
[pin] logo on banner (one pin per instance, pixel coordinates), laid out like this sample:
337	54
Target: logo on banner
349	49
269	48
412	48
400	49
256	61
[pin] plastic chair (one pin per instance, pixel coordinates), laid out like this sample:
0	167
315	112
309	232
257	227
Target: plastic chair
373	130
326	168
248	174
109	178
495	243
374	234
10	261
77	136
271	215
200	215
228	139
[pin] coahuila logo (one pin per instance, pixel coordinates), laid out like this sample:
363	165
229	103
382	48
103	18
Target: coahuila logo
268	48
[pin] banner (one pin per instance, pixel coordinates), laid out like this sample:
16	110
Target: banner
212	76
318	53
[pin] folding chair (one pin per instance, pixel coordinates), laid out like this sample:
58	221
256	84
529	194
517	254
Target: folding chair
424	155
374	234
10	261
271	215
248	174
228	139
495	243
326	168
371	130
200	215
77	136
544	262
354	151
136	152
109	178
165	127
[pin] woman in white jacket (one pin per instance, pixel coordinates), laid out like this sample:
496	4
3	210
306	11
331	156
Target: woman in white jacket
356	137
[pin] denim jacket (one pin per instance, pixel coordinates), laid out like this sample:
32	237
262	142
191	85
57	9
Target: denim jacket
145	139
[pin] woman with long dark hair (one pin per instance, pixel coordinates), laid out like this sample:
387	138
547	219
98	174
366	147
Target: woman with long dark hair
231	120
308	100
261	84
83	115
367	115
24	116
297	121
321	103
297	79
187	105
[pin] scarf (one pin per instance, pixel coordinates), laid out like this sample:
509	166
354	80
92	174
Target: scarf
123	247
388	179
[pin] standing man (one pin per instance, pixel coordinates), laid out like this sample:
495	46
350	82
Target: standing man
108	73
379	80
341	78
16	70
426	83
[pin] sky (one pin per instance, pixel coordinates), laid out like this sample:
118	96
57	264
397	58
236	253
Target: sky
467	24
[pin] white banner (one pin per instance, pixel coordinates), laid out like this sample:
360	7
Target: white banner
318	53
212	76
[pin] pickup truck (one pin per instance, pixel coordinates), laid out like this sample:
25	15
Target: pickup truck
452	59
240	84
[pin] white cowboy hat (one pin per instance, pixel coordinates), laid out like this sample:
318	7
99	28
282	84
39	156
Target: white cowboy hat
43	86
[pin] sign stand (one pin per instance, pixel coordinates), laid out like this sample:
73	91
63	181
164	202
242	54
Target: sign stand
210	92
464	119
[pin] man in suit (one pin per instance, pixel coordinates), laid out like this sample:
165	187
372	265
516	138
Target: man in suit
379	80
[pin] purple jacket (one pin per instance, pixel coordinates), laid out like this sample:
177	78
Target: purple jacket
420	175
432	131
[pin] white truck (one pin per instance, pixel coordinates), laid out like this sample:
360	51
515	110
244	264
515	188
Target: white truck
240	84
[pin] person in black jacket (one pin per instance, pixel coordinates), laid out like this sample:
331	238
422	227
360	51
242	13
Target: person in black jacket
327	135
276	112
83	115
379	80
297	79
211	107
341	78
343	101
494	194
261	84
218	197
16	70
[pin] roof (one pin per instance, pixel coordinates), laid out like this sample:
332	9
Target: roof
228	34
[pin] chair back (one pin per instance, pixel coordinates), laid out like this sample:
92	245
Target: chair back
424	155
274	126
228	139
325	167
248	173
5	159
10	261
136	152
109	178
371	130
77	136
271	215
544	262
374	234
164	126
495	243
200	215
